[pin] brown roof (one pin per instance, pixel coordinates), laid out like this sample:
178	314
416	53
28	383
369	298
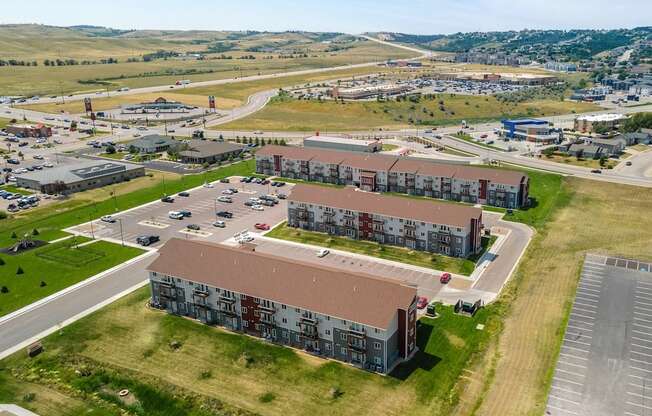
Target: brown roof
346	295
393	206
376	162
473	173
201	148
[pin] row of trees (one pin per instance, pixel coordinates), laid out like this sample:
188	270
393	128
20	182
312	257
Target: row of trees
15	62
259	141
71	62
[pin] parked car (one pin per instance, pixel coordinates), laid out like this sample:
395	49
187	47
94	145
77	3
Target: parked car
628	163
281	196
194	227
219	224
108	218
225	214
146	240
185	213
225	198
596	171
38	157
224	180
208	185
227	192
323	252
167	199
249	203
13	161
234	190
184	194
445	278
258	208
422	302
261	226
175	215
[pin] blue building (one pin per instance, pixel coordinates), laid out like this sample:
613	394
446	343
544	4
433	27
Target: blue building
529	129
510	126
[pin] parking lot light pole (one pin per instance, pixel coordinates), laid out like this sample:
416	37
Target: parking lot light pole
92	232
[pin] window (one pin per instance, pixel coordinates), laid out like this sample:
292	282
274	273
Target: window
283	306
375	330
377	345
245	324
297	310
284	320
298	338
256	313
343	322
328	318
328	332
342	336
327	347
378	361
243	296
256	300
243	309
286	335
343	350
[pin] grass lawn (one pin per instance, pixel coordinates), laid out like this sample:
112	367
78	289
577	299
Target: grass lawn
586	163
126	345
403	255
387	147
59	265
51	219
468	138
16	190
585	216
640	147
4	122
115	156
299	115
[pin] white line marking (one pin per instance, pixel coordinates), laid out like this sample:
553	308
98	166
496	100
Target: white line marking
578	342
573	356
562	410
574	365
583	316
572	372
563	380
574	348
578	328
561	398
639	405
638	368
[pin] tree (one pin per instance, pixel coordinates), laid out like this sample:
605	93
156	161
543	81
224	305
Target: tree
43	284
13	235
2	261
283	142
19	270
603	160
4	289
35	232
110	150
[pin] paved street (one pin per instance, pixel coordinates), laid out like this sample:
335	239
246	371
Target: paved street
605	363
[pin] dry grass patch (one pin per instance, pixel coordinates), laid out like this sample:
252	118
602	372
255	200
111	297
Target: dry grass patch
602	218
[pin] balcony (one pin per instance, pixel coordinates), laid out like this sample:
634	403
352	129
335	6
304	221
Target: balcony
355	332
302	214
227	310
225	300
267	320
266	310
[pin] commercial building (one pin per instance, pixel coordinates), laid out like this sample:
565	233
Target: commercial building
610	146
587	124
349	316
561	66
200	151
531	130
29	130
342	143
79	176
153	143
498	78
586	151
160	105
367	91
437	227
381	173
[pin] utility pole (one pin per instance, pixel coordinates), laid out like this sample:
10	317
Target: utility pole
92	232
122	237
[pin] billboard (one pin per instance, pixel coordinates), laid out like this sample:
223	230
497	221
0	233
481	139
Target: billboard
211	102
88	105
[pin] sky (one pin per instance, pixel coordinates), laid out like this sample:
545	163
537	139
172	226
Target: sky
349	16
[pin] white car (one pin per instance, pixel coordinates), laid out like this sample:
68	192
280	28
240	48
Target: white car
227	192
175	215
258	208
38	157
208	185
219	224
108	218
224	198
48	165
323	253
245	239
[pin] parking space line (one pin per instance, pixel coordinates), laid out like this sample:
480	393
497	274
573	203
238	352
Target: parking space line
563	380
636	360
643	303
641	346
574	365
573	356
562	409
642	308
585	308
639	405
631	414
585	289
584	316
642	326
563	399
587	294
566	390
577	328
577	342
574	348
571	372
647	315
638	368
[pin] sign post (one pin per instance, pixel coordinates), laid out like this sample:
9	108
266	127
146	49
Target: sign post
88	105
211	102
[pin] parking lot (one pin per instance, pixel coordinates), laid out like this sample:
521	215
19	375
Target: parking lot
153	218
605	362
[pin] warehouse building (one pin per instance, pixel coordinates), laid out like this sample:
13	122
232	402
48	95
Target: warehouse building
342	143
381	173
160	105
153	143
79	176
437	227
360	319
530	130
368	91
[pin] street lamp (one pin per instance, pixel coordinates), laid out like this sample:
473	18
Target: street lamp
92	232
122	237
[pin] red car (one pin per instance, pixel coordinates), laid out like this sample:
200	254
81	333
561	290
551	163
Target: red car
422	302
484	136
261	226
445	278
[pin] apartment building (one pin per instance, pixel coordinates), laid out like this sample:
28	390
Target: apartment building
500	188
424	225
353	317
380	173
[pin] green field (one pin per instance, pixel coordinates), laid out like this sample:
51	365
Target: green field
4	122
127	345
25	42
58	265
51	219
16	190
287	114
428	260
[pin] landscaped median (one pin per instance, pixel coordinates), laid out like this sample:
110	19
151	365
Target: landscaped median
455	265
40	272
174	366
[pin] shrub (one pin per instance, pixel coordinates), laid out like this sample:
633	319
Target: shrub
35	232
3	215
19	270
205	375
43	284
4	289
267	397
13	234
2	262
